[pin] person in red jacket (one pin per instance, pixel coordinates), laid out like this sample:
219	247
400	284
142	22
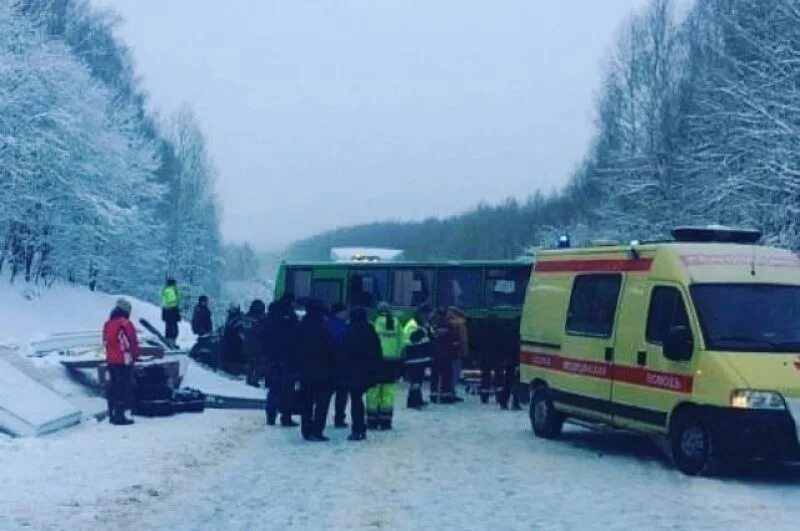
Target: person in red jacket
122	349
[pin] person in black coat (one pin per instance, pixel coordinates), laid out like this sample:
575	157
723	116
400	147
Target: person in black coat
337	325
253	331
315	352
362	356
280	335
231	341
201	317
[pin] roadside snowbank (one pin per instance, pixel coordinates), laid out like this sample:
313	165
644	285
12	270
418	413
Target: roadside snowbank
82	478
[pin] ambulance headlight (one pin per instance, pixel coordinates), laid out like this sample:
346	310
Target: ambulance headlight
750	399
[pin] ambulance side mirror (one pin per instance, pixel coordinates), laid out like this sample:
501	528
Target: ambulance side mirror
679	345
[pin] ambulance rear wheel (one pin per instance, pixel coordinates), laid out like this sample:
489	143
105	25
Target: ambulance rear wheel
545	420
692	443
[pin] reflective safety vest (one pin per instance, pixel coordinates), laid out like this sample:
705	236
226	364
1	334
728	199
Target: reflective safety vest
170	298
391	340
417	346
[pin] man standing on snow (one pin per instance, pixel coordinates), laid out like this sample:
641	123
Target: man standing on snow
445	351
202	324
458	321
231	346
337	326
380	397
122	349
253	341
417	344
279	349
170	311
315	353
361	353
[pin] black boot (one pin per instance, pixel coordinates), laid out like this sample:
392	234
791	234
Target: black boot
287	422
120	420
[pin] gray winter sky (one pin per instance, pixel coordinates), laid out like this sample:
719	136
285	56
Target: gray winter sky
327	113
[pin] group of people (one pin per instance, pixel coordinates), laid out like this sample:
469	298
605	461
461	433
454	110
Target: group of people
333	355
330	355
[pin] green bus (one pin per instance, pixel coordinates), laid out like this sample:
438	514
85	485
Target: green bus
490	293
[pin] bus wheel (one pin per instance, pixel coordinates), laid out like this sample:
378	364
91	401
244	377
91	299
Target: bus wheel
692	444
545	420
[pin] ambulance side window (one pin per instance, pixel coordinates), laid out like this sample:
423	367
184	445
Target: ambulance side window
593	305
667	310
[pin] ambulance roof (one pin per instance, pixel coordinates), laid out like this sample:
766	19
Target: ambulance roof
683	262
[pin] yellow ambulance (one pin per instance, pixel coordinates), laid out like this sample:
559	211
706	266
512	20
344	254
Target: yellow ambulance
696	339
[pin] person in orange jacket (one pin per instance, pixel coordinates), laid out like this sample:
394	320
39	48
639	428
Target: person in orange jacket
122	350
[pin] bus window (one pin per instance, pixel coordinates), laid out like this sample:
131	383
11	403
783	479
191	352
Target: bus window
298	282
328	291
459	287
368	287
412	287
506	286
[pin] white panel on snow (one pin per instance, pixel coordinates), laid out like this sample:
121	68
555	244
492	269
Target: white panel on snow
27	408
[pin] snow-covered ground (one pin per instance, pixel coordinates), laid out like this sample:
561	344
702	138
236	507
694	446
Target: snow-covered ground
461	467
98	476
469	467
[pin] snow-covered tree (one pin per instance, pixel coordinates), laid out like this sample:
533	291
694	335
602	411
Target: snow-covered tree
85	180
193	242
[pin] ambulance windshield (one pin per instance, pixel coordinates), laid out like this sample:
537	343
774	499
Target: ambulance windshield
749	317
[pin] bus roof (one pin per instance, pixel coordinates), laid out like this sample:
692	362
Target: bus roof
405	263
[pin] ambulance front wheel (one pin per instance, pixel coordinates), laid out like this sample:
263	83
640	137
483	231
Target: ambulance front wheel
692	443
545	420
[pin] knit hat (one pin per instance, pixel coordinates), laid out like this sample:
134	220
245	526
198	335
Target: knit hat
123	305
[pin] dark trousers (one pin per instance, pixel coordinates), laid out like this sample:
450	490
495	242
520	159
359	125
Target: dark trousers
256	371
415	376
340	404
507	383
442	380
358	414
119	390
281	392
317	398
171	330
487	372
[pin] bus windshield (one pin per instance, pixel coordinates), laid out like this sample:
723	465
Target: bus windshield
749	317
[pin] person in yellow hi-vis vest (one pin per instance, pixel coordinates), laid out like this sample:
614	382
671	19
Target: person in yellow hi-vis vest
170	311
380	398
417	354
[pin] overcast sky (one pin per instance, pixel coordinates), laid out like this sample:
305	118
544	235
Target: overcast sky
327	113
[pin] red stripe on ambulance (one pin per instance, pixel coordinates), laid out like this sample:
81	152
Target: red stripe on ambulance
679	383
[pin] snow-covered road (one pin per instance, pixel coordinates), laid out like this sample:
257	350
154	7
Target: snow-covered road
470	467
